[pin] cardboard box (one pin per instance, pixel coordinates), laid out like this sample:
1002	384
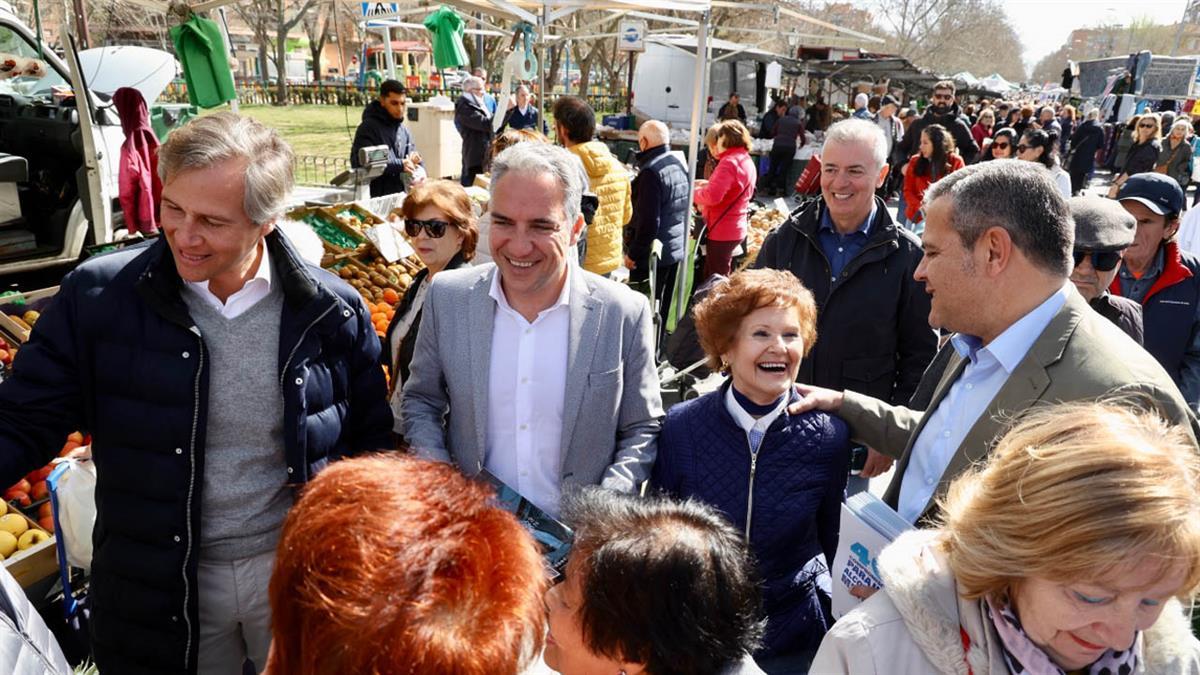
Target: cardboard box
36	562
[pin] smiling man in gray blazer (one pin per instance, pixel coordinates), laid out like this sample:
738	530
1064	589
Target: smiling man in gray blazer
532	368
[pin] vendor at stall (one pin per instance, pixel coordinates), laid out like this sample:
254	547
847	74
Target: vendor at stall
383	124
441	224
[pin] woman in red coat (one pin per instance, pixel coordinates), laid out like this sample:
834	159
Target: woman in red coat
725	198
937	157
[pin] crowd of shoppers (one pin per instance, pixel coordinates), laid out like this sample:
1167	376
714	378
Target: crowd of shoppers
291	526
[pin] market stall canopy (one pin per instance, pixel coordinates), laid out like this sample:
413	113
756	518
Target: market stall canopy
721	48
966	78
894	69
997	84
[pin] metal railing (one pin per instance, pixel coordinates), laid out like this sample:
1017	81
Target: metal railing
317	171
252	92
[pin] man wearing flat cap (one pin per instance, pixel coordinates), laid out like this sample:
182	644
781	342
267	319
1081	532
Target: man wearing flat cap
1163	278
1103	230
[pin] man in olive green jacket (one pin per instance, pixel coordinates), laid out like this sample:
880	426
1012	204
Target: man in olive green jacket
998	247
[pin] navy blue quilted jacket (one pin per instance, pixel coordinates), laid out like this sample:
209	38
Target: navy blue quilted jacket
116	354
799	483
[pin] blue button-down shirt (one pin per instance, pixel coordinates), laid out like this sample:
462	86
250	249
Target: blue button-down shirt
1136	288
841	248
987	369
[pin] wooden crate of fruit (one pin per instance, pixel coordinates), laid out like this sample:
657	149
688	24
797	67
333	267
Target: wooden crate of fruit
30	553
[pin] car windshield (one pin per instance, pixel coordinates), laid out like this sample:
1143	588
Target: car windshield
21	71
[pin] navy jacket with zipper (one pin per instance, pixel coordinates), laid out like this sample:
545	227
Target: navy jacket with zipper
117	355
873	333
799	479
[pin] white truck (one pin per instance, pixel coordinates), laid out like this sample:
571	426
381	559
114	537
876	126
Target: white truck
58	155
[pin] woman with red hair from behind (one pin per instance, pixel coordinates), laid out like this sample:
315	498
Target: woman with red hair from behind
389	564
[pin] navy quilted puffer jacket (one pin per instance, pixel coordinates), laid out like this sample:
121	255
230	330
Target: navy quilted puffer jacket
800	479
116	354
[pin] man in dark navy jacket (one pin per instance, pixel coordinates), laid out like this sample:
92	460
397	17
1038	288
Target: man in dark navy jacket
660	210
873	316
1164	279
216	371
383	124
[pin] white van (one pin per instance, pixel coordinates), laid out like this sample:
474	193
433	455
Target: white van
664	77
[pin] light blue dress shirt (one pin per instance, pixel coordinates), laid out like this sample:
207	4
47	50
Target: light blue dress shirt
987	369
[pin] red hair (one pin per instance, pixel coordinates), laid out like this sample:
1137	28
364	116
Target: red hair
390	564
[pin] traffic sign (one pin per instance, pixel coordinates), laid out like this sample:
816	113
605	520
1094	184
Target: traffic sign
370	9
631	36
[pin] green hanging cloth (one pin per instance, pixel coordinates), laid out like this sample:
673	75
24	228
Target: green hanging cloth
446	27
201	50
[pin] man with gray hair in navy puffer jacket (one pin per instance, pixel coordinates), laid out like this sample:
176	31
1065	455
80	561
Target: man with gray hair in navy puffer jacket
217	371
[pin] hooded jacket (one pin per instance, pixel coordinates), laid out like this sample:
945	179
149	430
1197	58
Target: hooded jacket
610	181
917	622
378	127
140	186
116	354
954	123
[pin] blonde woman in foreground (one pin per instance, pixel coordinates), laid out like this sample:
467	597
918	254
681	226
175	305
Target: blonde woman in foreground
1069	552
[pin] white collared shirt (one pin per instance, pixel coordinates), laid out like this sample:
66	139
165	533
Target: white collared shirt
255	289
746	421
987	369
527	383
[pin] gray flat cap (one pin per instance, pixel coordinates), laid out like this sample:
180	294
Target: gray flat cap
1101	224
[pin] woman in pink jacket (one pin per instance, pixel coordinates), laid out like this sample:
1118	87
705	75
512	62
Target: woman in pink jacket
724	198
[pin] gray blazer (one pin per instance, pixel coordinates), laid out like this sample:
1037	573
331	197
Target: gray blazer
612	410
1080	356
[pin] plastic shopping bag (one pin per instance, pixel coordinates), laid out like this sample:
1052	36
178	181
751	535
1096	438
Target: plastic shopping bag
73	493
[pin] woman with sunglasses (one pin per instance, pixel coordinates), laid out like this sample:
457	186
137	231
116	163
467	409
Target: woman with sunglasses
1143	154
1038	145
1002	145
440	223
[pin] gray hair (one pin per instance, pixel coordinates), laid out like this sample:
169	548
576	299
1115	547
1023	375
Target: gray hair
1020	197
1093	114
471	82
656	133
540	158
226	136
856	130
1184	124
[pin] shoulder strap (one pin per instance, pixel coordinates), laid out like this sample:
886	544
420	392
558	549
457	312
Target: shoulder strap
966	643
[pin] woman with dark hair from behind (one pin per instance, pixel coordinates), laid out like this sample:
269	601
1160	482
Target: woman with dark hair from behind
1039	146
652	587
936	158
390	564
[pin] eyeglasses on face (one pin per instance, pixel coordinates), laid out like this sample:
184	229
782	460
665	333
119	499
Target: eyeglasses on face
436	229
1021	147
1001	146
1151	125
1102	261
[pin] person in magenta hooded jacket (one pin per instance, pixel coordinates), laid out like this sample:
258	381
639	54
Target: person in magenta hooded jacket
725	197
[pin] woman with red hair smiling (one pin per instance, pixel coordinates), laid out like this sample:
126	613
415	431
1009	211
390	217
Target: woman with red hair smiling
389	564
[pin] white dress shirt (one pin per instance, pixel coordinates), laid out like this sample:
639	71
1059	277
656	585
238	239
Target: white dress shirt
987	369
527	382
256	288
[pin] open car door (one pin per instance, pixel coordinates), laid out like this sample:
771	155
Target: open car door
93	189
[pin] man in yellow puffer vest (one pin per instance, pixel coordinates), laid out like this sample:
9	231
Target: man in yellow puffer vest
608	179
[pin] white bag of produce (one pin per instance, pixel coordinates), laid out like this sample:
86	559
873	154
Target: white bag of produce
73	494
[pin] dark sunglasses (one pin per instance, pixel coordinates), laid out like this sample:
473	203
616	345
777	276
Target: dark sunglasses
1001	146
1102	261
1147	126
436	229
1021	147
